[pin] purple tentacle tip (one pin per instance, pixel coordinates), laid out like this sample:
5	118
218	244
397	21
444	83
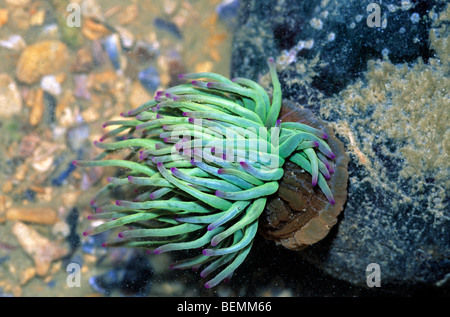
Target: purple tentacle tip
209	85
219	193
117	202
86	233
75	163
191	120
244	164
121	235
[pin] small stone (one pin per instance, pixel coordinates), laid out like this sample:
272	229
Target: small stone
70	198
27	275
138	95
38	18
81	89
42	58
103	82
3	17
13	42
21	172
83	61
150	79
19	19
42	250
41	215
126	37
38	107
203	67
51	85
43	156
94	30
7	186
61	228
10	99
90	115
65	102
28	145
170	6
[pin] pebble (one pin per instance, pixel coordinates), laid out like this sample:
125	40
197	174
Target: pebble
27	275
3	17
42	250
39	59
129	15
94	30
77	137
38	214
113	48
150	79
126	37
84	61
168	26
10	99
18	3
50	84
228	11
81	90
43	156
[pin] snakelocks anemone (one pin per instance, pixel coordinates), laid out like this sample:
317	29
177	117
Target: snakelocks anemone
202	162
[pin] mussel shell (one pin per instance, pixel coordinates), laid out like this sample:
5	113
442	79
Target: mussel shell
300	214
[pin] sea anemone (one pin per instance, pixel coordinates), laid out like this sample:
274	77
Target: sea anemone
201	162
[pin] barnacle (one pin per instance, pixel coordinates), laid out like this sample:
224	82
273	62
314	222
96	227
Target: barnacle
203	159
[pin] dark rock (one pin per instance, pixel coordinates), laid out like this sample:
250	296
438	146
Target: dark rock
322	50
340	33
